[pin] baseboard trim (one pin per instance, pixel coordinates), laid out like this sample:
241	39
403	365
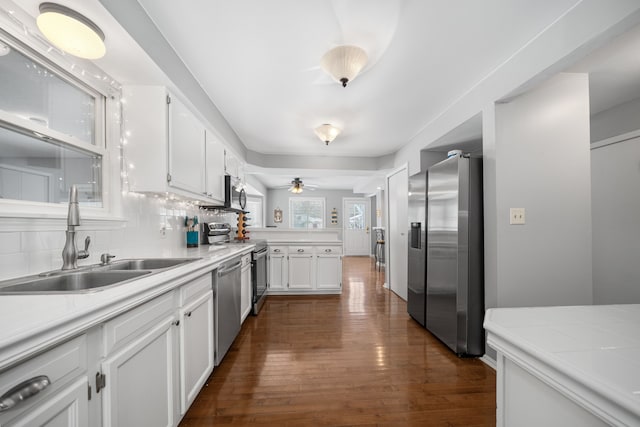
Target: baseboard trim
489	362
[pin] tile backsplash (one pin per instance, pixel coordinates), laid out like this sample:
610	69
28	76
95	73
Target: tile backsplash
30	252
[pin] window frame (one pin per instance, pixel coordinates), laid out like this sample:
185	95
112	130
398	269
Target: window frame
292	200
21	211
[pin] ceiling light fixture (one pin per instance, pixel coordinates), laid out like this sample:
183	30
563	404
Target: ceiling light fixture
70	31
296	186
327	132
343	63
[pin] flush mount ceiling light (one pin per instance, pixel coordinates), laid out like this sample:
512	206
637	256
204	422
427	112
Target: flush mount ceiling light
296	186
343	63
70	31
327	132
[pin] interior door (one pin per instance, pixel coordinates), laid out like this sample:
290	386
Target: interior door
396	242
356	226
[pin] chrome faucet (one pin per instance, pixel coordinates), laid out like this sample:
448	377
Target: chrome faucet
70	253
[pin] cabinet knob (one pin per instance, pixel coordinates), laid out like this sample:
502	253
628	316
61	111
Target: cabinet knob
188	314
276	250
327	250
300	250
176	323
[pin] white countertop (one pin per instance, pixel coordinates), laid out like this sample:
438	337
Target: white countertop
31	323
303	242
591	354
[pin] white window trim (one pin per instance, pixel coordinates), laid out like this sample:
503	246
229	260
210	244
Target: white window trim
304	199
20	214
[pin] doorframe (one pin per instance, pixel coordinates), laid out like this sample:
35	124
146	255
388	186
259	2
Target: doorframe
367	200
387	258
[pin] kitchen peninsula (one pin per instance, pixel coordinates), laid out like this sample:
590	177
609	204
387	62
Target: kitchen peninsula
567	365
306	261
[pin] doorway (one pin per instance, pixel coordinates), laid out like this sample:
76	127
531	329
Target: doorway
397	251
356	222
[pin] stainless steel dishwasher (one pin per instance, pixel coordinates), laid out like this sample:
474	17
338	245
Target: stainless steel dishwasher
227	306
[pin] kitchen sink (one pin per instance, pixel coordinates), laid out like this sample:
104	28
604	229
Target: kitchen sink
147	263
82	281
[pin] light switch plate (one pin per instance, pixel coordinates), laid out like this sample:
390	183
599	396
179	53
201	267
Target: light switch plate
516	216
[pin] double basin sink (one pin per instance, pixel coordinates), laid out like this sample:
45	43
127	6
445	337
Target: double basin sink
90	278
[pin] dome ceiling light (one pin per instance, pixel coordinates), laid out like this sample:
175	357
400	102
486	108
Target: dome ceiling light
70	31
343	63
327	132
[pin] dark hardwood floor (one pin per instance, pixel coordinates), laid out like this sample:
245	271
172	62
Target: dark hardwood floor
353	359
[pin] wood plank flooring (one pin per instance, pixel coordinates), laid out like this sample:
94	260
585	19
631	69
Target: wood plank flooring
354	359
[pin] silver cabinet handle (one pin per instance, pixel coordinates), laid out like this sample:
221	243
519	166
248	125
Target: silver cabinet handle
327	250
276	250
188	314
176	323
23	391
300	250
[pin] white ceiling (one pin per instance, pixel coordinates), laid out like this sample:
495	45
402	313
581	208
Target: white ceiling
259	63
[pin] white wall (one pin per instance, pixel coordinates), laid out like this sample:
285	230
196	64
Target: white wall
615	174
542	164
620	119
279	198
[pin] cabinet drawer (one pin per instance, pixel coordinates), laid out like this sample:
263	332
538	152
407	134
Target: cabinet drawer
196	288
60	365
278	250
329	250
302	250
127	326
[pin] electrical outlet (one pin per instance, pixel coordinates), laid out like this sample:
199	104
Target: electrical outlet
516	216
163	232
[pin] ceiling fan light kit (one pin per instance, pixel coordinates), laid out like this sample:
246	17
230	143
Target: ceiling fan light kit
327	132
343	63
296	186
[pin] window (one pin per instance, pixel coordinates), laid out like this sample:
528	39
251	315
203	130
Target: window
51	132
306	212
254	207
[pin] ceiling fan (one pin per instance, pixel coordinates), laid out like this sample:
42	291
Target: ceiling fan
297	186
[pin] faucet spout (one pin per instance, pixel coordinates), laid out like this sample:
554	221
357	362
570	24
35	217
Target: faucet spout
70	253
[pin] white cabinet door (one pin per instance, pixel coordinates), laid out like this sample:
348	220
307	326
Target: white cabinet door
277	272
68	407
140	380
328	272
186	149
214	173
196	348
245	291
301	272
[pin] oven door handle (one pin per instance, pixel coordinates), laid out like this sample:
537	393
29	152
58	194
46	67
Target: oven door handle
261	254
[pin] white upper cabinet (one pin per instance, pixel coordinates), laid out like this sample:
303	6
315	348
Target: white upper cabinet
214	153
167	149
186	148
233	165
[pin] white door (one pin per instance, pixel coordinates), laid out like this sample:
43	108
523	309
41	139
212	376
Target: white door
396	241
356	226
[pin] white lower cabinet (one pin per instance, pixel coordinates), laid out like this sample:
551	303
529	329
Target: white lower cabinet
246	289
278	267
305	269
329	272
301	269
141	368
140	379
61	376
196	347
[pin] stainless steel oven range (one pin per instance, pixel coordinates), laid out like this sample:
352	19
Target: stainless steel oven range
259	274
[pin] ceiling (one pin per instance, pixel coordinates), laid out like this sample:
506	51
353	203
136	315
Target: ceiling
259	63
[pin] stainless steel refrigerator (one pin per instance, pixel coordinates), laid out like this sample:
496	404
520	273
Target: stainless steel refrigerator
454	253
417	253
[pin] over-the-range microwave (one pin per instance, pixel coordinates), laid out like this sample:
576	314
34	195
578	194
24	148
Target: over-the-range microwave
234	195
